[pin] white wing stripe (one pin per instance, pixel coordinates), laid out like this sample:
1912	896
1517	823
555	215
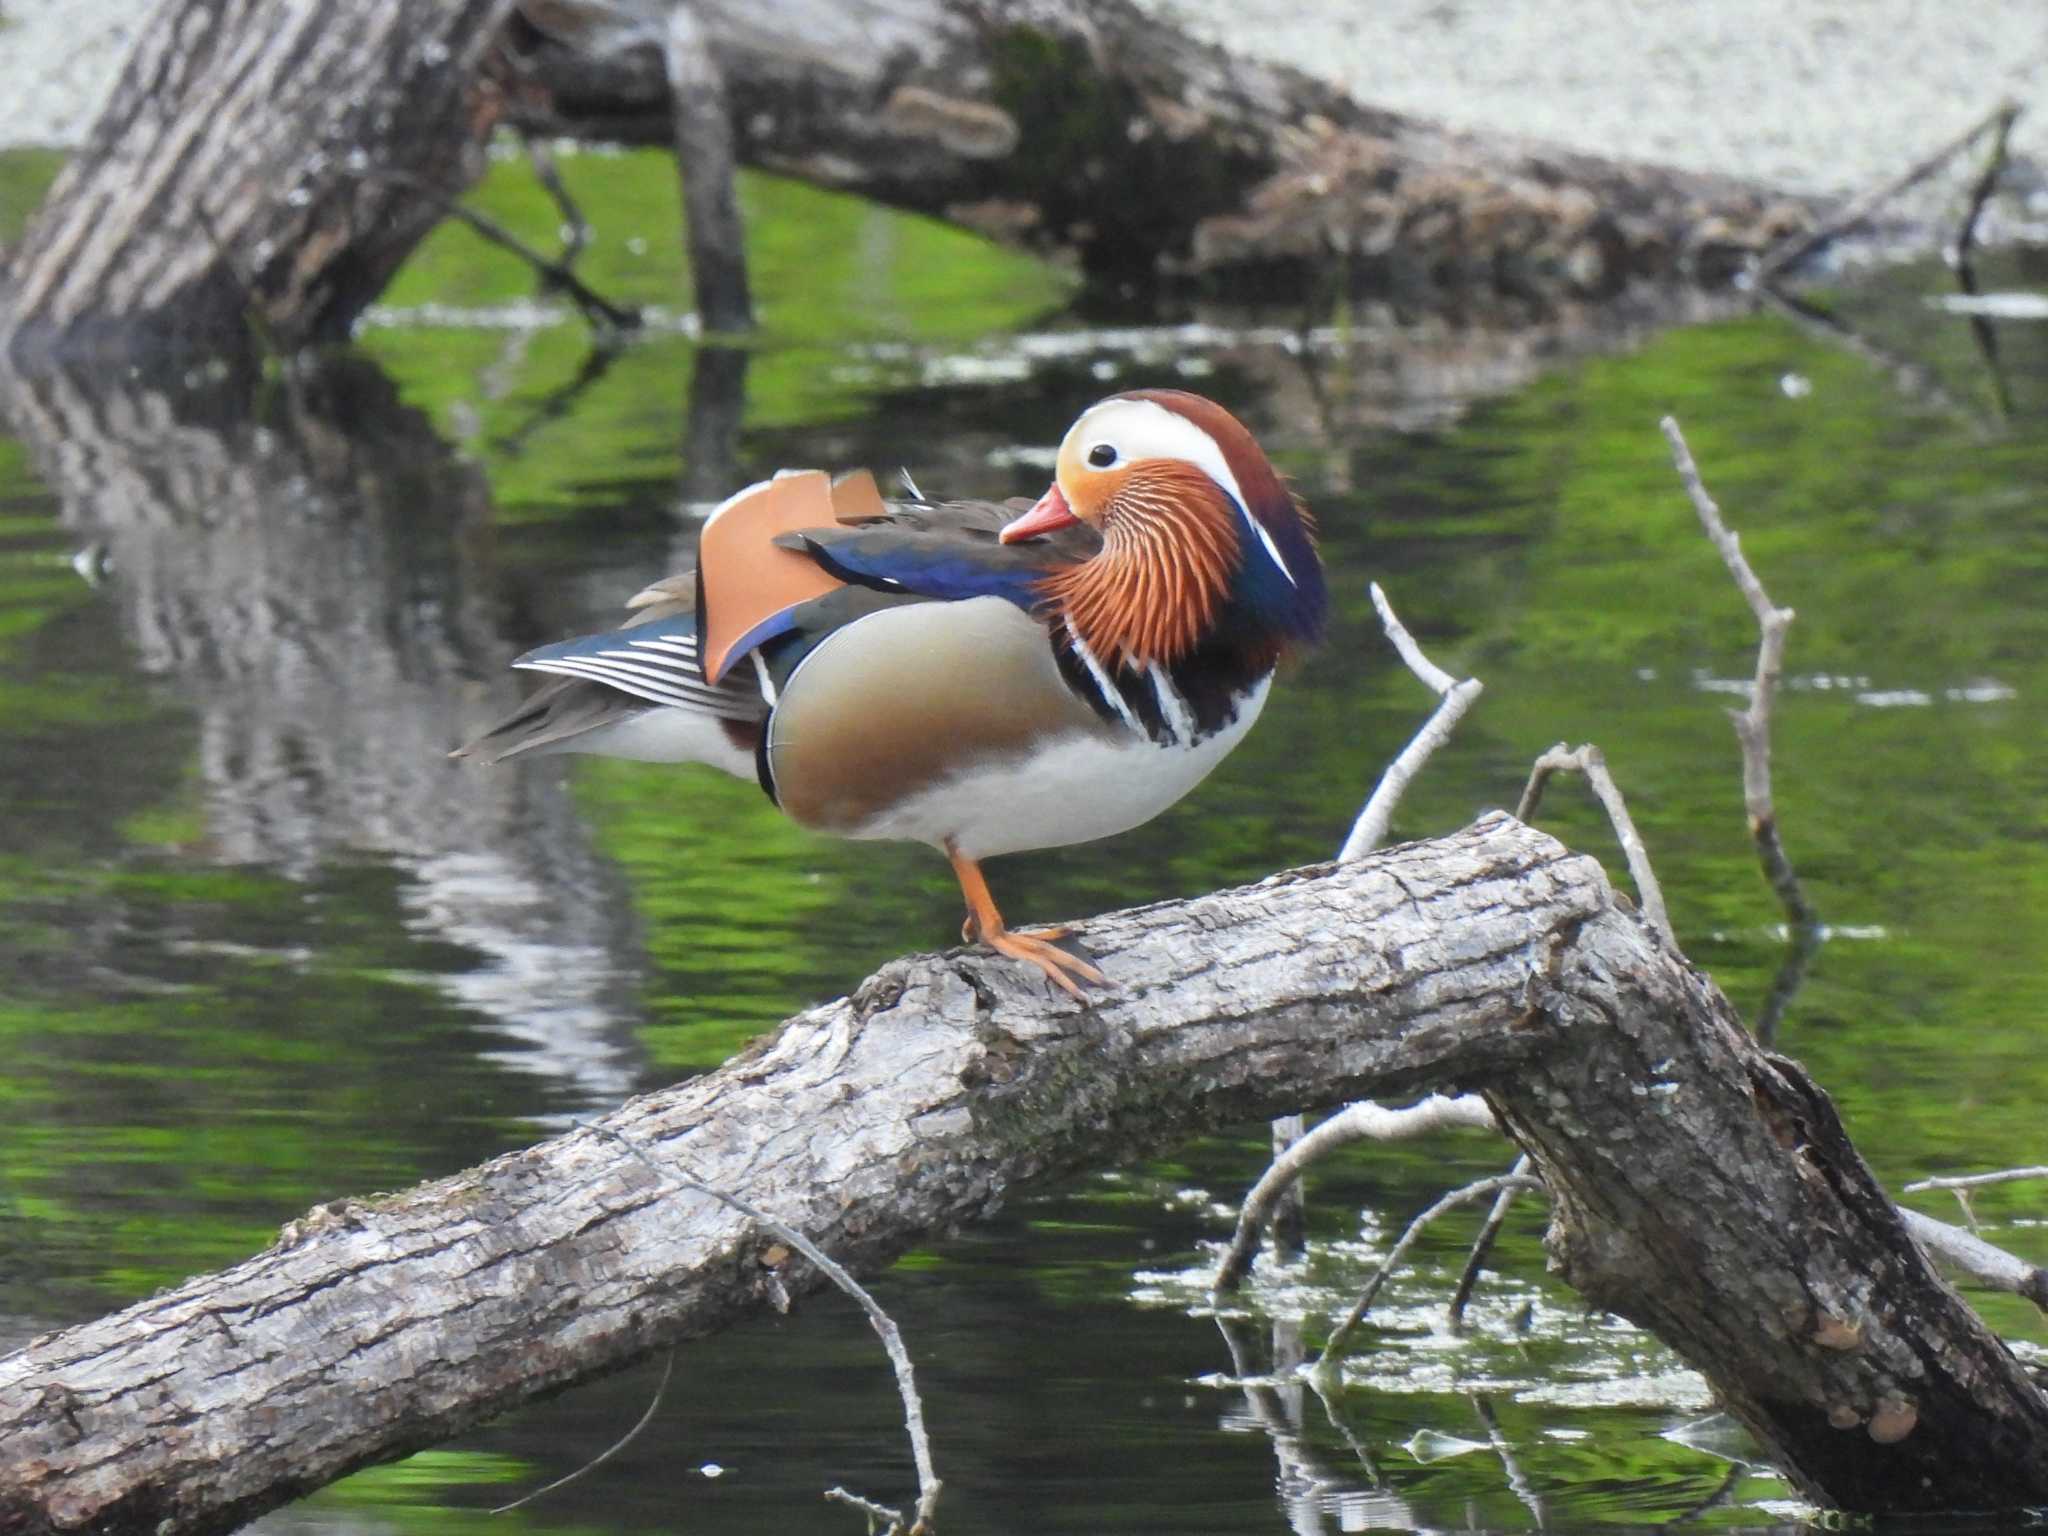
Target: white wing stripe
603	672
1110	692
1179	719
650	686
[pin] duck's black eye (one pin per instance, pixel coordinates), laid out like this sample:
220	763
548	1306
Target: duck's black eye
1102	455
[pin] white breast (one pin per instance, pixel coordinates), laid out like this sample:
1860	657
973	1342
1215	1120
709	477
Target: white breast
1074	789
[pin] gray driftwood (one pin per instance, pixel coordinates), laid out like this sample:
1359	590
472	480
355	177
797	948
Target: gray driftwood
1700	1186
259	162
1099	133
274	161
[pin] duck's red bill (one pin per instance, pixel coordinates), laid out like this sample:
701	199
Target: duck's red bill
1049	513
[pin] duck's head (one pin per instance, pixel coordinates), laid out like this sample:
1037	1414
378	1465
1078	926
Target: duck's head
1198	530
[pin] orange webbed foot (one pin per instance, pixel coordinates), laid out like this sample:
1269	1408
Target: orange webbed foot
985	925
1064	970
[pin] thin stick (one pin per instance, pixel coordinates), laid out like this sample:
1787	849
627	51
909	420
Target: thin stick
1976	1180
1796	248
1456	697
928	1483
542	159
1753	725
1980	1260
1588	760
1482	1245
605	1455
1363	1121
1341	1339
1980	194
893	1518
597	309
1286	1222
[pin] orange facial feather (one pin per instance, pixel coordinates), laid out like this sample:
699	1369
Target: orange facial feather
1170	545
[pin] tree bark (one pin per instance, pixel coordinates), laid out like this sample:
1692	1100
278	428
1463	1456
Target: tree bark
272	163
259	163
1097	133
1702	1187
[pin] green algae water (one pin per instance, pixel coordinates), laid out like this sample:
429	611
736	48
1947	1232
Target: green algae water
262	946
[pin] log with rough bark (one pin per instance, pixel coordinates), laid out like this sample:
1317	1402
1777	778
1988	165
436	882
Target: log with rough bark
1700	1186
279	158
259	163
1097	132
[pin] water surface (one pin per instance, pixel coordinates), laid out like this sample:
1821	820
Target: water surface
264	946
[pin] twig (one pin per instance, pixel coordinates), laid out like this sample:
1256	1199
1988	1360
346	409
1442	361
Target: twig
892	1518
596	308
1980	194
577	228
1482	1245
1975	1180
1982	331
1456	697
1796	248
1753	725
1980	1260
928	1484
1588	759
1340	1340
605	1455
1286	1223
1364	1121
1753	732
1908	375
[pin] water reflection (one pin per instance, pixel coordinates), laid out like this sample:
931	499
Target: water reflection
359	964
311	571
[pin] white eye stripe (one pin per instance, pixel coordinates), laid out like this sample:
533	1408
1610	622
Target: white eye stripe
1148	430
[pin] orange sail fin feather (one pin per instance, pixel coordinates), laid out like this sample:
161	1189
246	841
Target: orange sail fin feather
743	578
856	498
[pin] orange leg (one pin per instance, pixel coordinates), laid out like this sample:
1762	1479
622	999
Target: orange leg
985	924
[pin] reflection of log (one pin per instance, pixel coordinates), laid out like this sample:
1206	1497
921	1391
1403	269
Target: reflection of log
1700	1186
309	576
276	161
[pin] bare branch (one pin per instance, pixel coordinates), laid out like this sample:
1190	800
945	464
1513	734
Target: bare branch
1589	760
1371	828
601	312
928	1484
668	1369
1286	1221
892	1519
1341	1339
1364	1121
1975	1180
1482	1245
1857	210
1753	725
1753	733
1980	194
1981	1261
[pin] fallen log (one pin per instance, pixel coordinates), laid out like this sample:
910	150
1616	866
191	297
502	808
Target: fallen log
1700	1186
271	163
258	164
1098	133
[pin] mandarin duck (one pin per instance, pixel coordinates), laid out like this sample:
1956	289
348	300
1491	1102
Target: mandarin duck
983	678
